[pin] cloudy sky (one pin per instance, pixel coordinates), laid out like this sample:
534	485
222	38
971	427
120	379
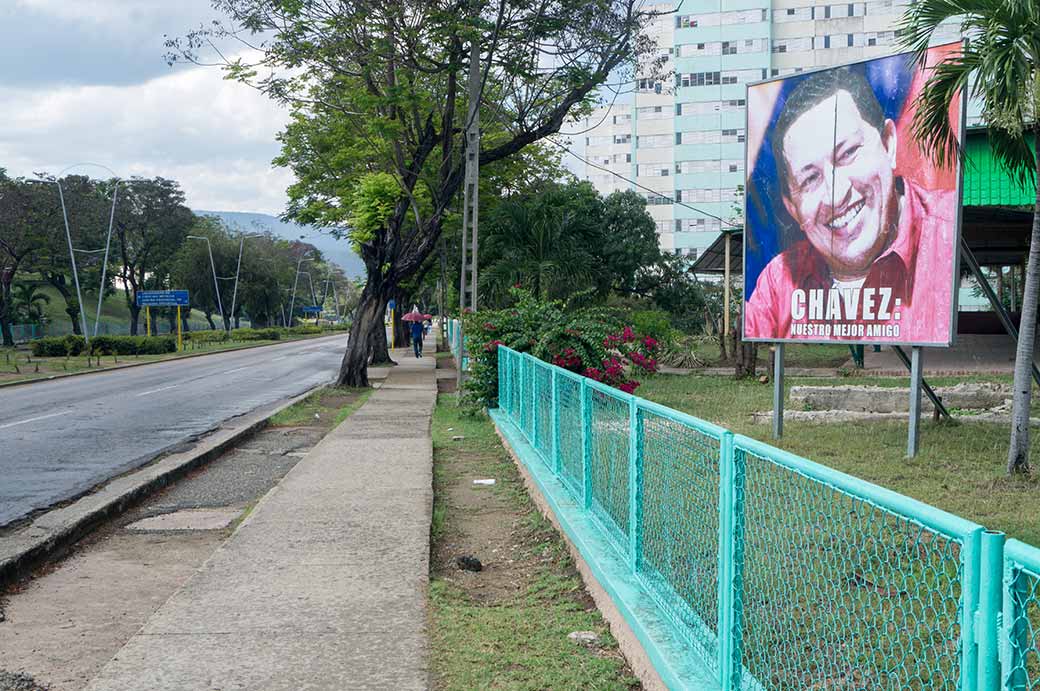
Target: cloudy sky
85	81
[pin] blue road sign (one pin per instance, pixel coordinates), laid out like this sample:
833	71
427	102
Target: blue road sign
162	298
392	304
312	309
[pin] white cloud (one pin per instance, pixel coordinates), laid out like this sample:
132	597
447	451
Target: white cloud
214	136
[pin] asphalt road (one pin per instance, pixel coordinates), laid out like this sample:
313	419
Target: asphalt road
60	438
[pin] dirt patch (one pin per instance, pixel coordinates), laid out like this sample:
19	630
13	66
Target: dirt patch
484	522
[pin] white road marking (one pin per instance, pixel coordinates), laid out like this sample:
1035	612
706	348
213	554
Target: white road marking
237	369
281	357
32	419
164	388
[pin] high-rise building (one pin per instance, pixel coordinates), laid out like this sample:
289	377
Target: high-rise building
683	136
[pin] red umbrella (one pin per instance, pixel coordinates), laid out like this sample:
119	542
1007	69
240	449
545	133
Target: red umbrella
427	316
415	316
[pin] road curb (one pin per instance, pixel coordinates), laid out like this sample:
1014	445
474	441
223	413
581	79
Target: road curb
52	533
11	384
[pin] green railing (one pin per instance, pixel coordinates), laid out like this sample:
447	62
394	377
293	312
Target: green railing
776	572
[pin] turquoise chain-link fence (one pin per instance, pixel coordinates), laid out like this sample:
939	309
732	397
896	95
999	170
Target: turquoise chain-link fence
777	573
455	343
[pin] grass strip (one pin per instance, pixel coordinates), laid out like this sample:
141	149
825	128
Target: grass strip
506	627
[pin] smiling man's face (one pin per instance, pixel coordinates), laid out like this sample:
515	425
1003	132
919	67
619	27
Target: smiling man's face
840	184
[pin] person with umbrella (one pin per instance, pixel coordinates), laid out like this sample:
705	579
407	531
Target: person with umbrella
416	318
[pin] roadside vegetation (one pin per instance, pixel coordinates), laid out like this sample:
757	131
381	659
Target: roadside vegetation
506	626
326	407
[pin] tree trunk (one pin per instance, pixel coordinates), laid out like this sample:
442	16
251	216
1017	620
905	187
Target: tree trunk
71	305
5	313
209	318
379	348
237	322
135	316
353	370
1018	451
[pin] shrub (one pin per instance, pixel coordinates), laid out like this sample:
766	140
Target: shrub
133	345
589	341
305	330
207	336
267	334
58	346
654	323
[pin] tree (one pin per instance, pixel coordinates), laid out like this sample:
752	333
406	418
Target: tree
151	223
999	66
25	209
543	243
28	302
629	245
376	87
88	203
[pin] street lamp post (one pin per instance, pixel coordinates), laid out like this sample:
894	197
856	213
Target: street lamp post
72	251
296	279
213	265
238	269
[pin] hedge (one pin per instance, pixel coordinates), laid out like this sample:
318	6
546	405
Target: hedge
60	346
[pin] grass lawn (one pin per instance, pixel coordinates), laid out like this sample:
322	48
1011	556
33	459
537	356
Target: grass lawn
506	626
960	468
795	354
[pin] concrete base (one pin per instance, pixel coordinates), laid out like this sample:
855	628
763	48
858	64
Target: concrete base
189	519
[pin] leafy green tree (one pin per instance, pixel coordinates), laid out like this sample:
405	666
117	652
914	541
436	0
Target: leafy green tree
379	86
25	209
629	243
88	203
29	302
151	224
999	66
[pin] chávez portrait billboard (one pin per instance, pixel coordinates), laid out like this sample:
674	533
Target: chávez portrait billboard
851	231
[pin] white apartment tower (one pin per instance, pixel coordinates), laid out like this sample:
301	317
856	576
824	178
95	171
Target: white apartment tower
684	138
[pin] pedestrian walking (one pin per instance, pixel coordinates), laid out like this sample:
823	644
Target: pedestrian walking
417	338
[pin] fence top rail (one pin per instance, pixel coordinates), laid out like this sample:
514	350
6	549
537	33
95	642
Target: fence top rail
1022	555
703	426
912	509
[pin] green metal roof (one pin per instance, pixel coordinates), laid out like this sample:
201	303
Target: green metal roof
986	183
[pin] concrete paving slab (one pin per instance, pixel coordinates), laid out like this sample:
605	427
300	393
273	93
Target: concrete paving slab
189	519
324	584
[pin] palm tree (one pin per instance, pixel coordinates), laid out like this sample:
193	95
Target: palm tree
533	244
999	67
28	301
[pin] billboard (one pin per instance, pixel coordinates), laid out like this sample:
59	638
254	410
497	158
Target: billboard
851	232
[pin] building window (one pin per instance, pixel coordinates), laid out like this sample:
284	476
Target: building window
678	137
850	40
678	109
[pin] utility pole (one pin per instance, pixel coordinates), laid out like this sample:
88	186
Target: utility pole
471	192
470	202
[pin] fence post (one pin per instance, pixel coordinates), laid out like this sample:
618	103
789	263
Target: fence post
554	425
990	606
522	398
731	562
586	445
635	485
503	381
972	565
536	391
1014	634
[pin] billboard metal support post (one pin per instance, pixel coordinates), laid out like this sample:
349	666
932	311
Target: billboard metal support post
725	293
180	336
72	258
778	391
104	263
913	440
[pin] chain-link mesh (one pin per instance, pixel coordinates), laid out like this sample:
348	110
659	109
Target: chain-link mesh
543	412
840	593
1022	585
568	397
609	464
678	560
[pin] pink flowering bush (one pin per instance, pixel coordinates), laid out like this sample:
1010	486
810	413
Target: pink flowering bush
589	341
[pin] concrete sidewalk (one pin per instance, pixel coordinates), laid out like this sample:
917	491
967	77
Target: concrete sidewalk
324	584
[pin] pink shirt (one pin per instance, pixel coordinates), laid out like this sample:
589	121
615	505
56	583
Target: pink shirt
907	296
